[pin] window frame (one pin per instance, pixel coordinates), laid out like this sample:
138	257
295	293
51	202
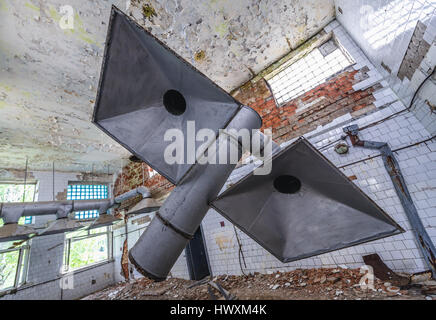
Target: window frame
21	267
27	221
22	262
93	183
67	249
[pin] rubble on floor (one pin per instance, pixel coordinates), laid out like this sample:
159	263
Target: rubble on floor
300	284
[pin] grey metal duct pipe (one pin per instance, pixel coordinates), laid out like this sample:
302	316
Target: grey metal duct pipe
163	241
12	211
143	191
107	219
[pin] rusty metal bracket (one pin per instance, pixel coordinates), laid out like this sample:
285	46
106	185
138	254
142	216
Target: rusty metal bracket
422	238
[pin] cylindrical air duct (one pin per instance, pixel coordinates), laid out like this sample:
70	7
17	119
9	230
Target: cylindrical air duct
158	248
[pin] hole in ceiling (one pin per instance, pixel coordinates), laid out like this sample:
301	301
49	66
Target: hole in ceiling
174	102
287	184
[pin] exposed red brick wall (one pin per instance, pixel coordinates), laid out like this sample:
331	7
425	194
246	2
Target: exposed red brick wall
306	112
302	114
136	174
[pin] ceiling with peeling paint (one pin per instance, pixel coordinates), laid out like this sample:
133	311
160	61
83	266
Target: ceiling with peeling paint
49	75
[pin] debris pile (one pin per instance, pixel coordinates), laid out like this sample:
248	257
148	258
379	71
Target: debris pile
306	284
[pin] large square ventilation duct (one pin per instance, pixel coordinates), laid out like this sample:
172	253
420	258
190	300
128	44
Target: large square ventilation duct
305	206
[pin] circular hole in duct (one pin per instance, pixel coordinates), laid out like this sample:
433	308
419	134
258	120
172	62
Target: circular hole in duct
287	184
174	102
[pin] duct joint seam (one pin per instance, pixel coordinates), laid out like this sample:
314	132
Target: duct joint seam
168	224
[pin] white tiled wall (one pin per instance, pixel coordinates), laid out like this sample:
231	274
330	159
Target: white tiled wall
418	165
383	30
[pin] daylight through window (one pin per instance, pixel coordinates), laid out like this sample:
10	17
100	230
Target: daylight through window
308	72
87	247
13	265
17	192
87	192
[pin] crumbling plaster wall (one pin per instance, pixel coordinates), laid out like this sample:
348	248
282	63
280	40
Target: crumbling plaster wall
134	174
44	274
398	36
48	80
230	41
351	93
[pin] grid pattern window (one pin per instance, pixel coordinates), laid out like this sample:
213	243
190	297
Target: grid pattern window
87	192
18	192
87	247
13	265
309	72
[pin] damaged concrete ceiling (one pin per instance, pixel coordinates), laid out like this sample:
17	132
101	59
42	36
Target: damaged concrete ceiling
49	75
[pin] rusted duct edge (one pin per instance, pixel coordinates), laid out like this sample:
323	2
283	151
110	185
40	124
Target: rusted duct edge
391	164
11	212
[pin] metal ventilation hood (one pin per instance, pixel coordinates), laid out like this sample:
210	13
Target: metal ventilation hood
138	72
304	207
